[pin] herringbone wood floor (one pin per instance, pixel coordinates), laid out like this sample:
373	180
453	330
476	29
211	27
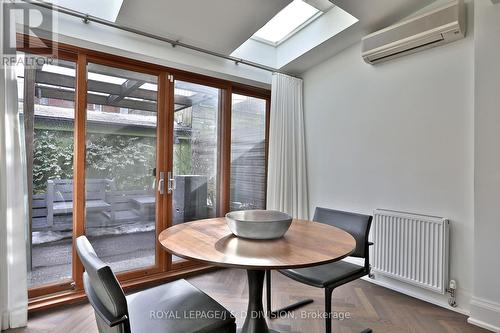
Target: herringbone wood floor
369	305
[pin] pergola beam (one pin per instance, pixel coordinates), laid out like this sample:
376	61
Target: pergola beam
121	73
92	85
49	92
65	81
126	89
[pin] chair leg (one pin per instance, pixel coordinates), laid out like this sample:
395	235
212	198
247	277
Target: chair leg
328	310
329	314
275	314
268	292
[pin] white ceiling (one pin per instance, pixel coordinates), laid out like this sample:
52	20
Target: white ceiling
218	25
223	25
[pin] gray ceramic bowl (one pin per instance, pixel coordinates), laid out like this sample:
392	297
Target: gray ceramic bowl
258	224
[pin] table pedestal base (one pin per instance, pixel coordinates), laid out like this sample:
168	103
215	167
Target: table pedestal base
255	322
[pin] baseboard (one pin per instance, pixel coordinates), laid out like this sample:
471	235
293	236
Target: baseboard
481	312
482	324
15	319
463	297
4	324
485	314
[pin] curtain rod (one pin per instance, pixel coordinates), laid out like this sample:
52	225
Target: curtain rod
89	18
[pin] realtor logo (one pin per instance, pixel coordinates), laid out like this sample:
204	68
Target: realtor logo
24	18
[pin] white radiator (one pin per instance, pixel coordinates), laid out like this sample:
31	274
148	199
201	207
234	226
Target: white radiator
412	248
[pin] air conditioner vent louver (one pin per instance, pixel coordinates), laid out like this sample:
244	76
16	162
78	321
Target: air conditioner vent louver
440	26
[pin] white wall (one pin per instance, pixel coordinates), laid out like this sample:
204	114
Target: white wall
485	307
398	136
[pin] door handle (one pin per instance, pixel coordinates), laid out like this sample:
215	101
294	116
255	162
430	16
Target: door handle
171	183
161	183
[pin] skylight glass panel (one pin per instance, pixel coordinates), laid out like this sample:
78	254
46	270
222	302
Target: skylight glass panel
107	9
286	21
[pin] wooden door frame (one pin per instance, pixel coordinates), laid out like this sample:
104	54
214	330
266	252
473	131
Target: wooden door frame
79	166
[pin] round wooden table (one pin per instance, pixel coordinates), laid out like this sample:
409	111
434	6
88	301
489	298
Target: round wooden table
305	244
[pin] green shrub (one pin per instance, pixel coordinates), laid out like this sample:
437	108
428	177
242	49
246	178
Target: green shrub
129	160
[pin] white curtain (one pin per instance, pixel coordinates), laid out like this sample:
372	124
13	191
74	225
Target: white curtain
13	271
287	179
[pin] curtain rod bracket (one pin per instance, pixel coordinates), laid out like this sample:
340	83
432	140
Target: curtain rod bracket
86	19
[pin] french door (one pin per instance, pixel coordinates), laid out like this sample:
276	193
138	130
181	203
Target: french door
124	160
119	150
96	133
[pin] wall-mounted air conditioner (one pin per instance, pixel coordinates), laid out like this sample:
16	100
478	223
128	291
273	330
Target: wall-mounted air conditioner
440	26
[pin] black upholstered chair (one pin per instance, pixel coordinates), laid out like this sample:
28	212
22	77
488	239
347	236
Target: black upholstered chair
166	309
333	275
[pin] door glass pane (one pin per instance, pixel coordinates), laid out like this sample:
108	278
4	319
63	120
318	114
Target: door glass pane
195	152
248	153
47	112
120	166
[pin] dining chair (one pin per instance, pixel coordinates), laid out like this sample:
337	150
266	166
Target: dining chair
175	307
332	275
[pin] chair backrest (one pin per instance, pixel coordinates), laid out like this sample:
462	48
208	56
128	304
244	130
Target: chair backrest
59	190
102	288
358	225
62	189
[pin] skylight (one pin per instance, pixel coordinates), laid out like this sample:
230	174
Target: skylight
287	21
311	27
108	9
